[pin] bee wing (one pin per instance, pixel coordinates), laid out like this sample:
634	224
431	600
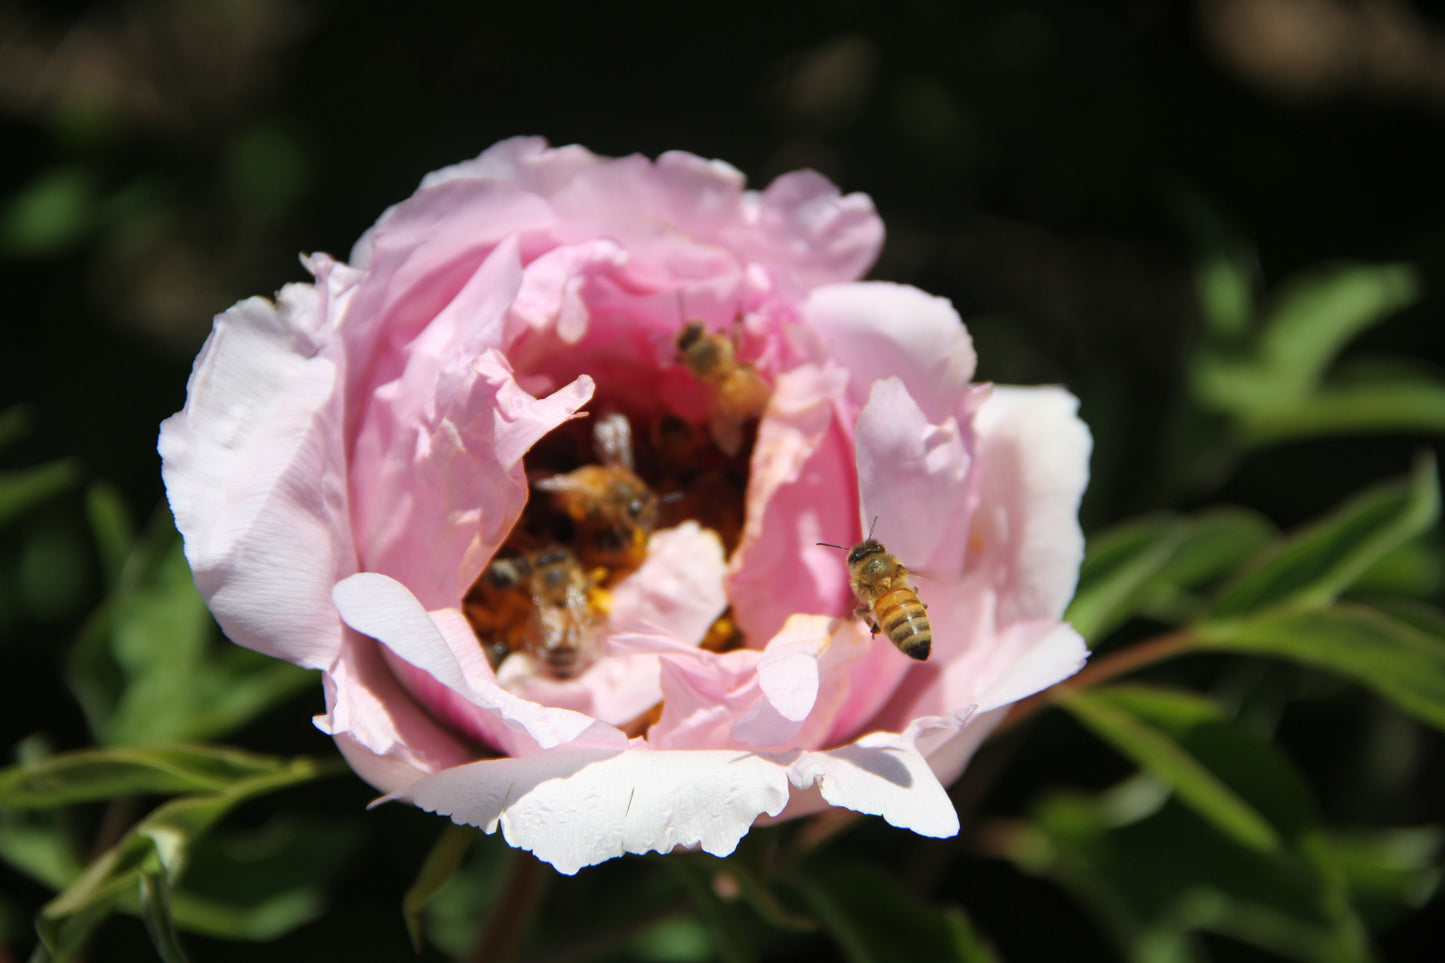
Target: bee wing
612	439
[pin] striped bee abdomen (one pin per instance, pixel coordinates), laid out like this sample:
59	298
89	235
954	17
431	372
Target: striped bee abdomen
901	616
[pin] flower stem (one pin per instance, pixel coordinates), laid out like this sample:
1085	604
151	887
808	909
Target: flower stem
507	925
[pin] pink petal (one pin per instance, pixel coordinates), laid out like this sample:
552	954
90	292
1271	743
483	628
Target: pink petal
551	295
254	468
527	161
372	717
788	676
1035	456
794	500
802	225
879	330
382	608
881	774
578	808
443	497
677	591
912	477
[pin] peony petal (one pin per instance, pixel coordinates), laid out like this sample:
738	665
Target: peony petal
1035	456
382	608
881	774
527	161
254	468
802	225
879	330
1058	653
678	590
912	477
368	711
794	500
551	293
444	499
578	808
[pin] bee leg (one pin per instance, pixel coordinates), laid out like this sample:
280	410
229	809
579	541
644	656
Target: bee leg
866	614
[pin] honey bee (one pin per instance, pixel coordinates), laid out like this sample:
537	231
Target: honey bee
544	603
612	510
733	392
886	599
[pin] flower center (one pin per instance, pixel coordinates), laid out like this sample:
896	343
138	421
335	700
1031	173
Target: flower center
602	485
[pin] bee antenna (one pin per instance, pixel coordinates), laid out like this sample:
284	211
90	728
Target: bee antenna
870	529
831	545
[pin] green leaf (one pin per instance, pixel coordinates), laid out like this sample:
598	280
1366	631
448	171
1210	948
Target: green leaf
89	775
1314	566
968	945
157	846
1389	655
1167	760
23	489
149	668
871	917
1149	564
111	524
16	423
1413	405
1154	876
1316	314
156	912
38	846
440	867
1390	871
50	214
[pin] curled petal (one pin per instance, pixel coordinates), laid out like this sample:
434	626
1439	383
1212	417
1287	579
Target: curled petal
803	225
881	774
912	477
575	808
878	330
382	608
1036	453
255	468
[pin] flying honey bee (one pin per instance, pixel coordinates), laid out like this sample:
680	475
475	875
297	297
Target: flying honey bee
886	599
733	392
544	603
613	511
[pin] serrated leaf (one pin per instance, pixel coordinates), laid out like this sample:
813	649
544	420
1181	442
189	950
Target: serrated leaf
24	488
157	845
1314	566
1168	761
95	774
1316	314
1389	655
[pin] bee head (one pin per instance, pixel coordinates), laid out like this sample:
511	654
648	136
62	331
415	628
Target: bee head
863	550
691	333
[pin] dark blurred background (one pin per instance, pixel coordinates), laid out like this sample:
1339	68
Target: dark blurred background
1047	165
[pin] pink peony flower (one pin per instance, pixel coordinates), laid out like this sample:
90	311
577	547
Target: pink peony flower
353	456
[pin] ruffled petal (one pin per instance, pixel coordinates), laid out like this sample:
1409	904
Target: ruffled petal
879	330
802	226
578	808
912	477
881	774
254	468
372	717
678	591
1035	456
382	608
794	500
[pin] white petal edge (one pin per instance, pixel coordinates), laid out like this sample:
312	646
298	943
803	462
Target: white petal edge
578	808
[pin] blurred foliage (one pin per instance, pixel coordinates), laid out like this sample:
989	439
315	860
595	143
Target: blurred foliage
1217	222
